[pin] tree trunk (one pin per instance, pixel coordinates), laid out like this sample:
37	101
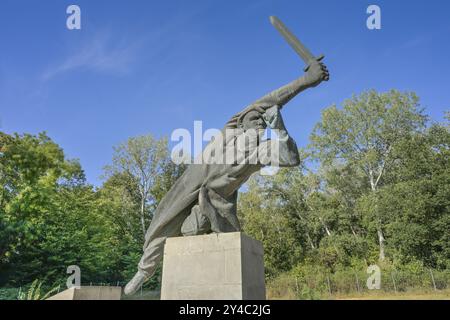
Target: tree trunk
381	239
381	242
143	215
310	240
325	227
353	231
327	230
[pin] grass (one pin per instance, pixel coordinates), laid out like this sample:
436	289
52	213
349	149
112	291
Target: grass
419	294
381	295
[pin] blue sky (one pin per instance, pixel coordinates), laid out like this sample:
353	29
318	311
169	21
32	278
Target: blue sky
140	67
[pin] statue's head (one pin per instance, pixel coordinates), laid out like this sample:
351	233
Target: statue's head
253	120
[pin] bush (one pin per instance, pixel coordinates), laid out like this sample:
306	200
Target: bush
282	287
9	293
312	281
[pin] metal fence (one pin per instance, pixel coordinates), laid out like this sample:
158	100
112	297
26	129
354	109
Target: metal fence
321	285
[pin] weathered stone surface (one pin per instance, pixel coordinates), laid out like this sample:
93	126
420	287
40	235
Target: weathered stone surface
89	293
213	267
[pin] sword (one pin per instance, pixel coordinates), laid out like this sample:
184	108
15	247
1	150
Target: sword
292	40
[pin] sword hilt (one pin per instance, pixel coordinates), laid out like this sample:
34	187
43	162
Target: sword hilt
319	58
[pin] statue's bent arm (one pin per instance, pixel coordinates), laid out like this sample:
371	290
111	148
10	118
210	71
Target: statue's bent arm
282	151
284	94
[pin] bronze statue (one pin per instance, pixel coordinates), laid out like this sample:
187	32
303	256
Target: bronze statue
203	199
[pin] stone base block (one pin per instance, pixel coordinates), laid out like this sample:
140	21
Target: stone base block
89	293
224	266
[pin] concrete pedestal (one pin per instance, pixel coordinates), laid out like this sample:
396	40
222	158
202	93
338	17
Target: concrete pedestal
213	267
89	293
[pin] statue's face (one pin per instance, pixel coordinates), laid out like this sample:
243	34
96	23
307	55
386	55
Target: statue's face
253	120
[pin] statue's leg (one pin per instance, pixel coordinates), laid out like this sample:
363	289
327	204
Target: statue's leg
220	211
155	240
213	214
154	250
152	256
147	265
196	223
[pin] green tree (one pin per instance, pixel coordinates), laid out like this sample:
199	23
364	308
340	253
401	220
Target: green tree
417	200
261	218
48	215
364	135
145	162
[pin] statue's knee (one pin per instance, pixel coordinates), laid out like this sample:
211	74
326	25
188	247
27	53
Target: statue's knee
196	223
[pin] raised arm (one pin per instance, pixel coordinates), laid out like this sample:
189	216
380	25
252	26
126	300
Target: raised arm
316	73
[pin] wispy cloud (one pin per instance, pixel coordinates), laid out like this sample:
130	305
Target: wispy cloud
409	44
415	42
100	53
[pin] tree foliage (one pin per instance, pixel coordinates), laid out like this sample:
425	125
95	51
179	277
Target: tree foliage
51	218
374	184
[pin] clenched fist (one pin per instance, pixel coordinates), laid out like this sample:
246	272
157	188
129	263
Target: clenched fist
317	72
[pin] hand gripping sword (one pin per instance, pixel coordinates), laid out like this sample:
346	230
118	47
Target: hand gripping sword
292	40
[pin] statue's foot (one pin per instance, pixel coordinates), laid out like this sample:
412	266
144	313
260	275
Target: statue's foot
136	283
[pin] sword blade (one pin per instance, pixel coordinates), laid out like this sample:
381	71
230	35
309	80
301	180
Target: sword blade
292	40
